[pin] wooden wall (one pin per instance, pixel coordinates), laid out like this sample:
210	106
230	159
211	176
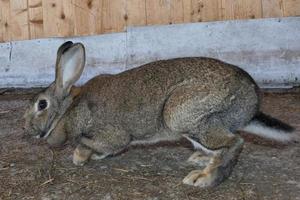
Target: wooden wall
29	19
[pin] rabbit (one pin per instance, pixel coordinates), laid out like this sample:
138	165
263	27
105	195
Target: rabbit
204	100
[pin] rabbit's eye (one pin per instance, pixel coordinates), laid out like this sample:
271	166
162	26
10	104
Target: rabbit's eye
42	104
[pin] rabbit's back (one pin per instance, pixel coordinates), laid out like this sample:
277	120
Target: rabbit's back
135	99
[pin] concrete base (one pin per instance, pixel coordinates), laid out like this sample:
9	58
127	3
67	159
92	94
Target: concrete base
269	49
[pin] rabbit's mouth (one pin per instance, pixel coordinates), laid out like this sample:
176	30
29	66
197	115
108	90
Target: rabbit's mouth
53	124
36	133
41	134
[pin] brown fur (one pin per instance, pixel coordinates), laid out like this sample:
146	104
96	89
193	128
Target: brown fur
204	98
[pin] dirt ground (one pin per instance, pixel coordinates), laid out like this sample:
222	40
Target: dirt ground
29	169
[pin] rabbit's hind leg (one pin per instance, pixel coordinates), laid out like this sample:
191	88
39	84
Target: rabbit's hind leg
222	148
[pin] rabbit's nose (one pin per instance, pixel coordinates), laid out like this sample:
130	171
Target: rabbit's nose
25	131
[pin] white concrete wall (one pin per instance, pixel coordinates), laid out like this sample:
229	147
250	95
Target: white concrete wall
269	49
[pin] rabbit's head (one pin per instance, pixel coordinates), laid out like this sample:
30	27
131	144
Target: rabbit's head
48	107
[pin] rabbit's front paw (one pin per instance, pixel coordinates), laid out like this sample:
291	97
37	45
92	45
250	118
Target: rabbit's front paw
78	162
81	155
200	178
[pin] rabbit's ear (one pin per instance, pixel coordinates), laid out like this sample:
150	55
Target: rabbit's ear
69	66
62	49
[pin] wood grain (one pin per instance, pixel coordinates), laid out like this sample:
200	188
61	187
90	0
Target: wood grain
158	11
4	21
136	13
291	8
187	11
87	16
19	26
176	12
241	9
113	15
272	8
205	10
30	19
36	22
58	18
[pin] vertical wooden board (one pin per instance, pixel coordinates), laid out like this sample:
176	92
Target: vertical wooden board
226	9
187	11
205	10
5	22
1	22
113	15
136	12
86	16
165	11
67	25
291	8
49	17
245	9
158	11
19	25
272	8
211	10
58	18
35	12
176	12
240	9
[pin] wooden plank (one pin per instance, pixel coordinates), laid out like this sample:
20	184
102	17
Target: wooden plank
226	9
1	22
136	12
272	8
241	9
4	20
87	16
165	11
58	18
187	11
176	12
245	9
19	26
35	12
29	19
205	10
158	12
291	8
113	15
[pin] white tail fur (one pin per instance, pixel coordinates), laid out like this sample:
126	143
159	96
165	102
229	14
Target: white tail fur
268	127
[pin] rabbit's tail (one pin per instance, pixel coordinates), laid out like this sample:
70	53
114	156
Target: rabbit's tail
271	128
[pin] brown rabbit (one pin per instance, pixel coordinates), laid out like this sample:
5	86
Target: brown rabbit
201	99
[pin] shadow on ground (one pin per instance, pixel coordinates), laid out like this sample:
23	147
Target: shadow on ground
29	169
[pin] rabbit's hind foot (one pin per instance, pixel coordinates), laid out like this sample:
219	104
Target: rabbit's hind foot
218	162
207	177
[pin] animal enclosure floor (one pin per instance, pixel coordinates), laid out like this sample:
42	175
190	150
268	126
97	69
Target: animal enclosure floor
29	169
